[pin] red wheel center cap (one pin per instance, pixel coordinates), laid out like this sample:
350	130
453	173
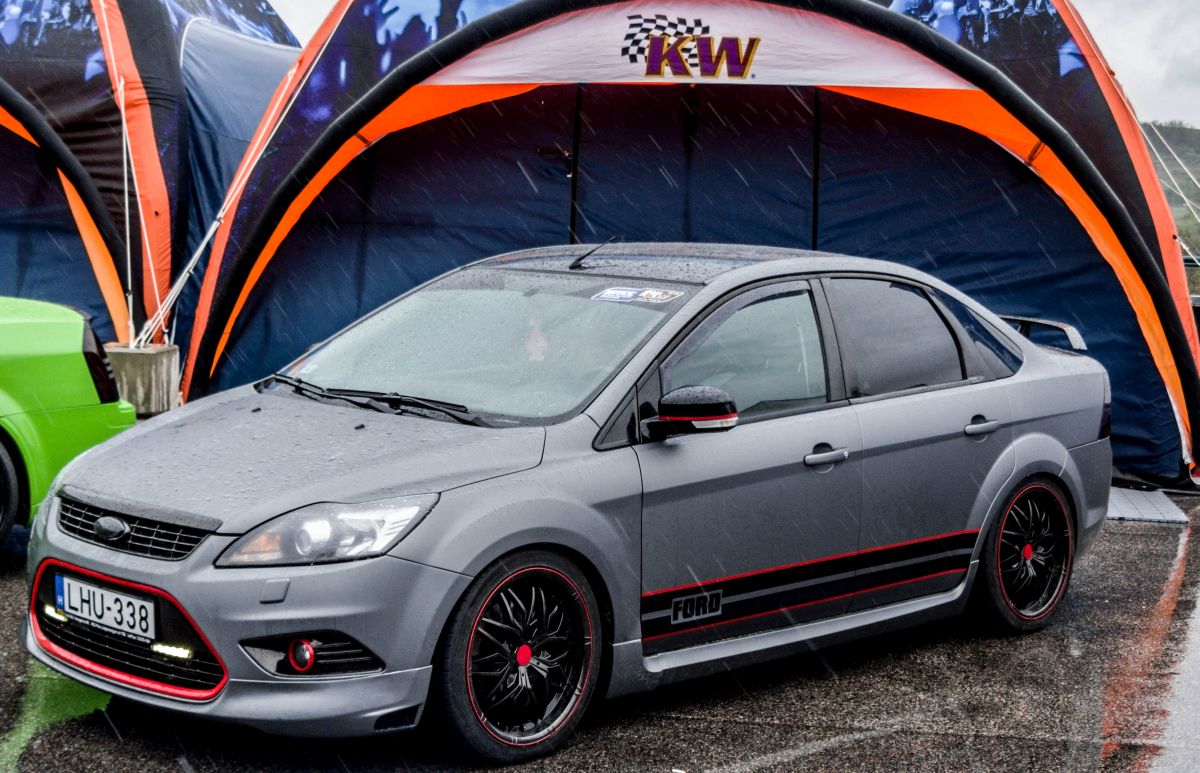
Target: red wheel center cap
1027	552
524	655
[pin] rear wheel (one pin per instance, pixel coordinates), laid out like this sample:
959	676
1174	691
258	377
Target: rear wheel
1028	557
520	660
10	494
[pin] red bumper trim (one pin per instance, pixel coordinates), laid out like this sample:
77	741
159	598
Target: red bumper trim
120	677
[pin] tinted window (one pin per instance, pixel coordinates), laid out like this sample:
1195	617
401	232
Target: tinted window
1002	357
767	355
891	337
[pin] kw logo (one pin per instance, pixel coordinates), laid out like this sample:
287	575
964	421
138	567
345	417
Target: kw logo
685	48
696	607
711	57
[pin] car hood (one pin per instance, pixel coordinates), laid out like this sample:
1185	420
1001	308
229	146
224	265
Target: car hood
242	457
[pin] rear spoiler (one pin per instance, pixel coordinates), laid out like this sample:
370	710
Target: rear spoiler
1026	325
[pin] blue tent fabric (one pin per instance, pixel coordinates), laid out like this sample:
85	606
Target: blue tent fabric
719	164
944	200
713	163
41	253
229	79
417	204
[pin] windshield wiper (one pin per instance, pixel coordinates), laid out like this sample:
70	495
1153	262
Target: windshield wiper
459	413
308	389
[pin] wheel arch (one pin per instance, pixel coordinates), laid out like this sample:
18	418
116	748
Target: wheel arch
596	582
1031	456
1016	484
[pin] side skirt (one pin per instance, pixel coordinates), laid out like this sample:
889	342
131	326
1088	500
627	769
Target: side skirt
633	672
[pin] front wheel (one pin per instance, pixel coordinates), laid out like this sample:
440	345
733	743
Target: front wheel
520	660
1028	557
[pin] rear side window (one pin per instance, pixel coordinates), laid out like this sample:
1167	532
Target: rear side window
1001	356
892	337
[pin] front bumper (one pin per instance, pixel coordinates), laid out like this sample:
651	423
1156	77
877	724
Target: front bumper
395	608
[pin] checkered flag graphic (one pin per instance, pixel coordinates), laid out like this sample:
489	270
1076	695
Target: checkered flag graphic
642	28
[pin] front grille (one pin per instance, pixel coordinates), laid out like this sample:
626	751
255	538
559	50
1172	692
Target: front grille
154	539
196	677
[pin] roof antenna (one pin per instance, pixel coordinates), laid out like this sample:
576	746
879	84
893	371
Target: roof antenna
578	262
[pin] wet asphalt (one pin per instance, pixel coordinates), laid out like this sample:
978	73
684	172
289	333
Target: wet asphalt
1113	684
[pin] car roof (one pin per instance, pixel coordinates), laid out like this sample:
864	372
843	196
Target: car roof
689	262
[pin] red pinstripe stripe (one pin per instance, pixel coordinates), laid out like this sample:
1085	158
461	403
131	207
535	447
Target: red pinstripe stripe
757	572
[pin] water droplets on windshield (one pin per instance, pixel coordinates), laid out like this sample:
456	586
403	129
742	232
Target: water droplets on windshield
517	346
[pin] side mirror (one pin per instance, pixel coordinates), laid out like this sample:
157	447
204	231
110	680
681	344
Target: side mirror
692	410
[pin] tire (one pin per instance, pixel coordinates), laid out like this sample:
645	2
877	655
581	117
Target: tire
520	658
1028	558
10	494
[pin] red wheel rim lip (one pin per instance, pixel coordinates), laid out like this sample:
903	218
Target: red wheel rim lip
1062	586
587	617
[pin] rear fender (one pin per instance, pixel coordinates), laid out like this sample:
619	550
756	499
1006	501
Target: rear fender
1034	454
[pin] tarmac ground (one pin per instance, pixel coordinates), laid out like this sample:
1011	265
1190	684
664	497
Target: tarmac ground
1112	684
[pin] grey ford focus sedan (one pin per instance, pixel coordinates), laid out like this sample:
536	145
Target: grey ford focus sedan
573	472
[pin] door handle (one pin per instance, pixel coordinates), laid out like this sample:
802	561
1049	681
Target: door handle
823	458
976	428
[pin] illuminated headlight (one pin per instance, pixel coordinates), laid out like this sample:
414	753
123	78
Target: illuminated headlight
329	532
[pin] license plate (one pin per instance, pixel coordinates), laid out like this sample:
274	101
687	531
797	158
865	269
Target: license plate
104	607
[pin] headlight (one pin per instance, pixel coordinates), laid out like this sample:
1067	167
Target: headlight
327	532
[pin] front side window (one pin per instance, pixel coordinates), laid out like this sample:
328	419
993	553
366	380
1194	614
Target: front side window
514	346
891	337
767	355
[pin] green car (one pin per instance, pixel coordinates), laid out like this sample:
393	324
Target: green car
57	399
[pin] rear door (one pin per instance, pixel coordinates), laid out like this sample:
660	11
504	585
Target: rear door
739	527
934	422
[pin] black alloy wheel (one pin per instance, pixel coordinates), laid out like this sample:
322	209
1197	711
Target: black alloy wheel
1028	557
520	663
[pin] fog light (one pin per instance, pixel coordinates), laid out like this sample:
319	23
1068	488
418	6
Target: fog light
301	655
332	653
182	653
54	614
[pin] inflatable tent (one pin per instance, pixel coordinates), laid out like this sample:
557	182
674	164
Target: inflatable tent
996	153
57	240
91	71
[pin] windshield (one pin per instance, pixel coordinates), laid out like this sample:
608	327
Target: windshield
518	346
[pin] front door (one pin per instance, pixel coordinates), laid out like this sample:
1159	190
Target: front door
739	532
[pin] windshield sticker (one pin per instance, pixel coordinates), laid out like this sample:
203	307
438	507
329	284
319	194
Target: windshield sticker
637	295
